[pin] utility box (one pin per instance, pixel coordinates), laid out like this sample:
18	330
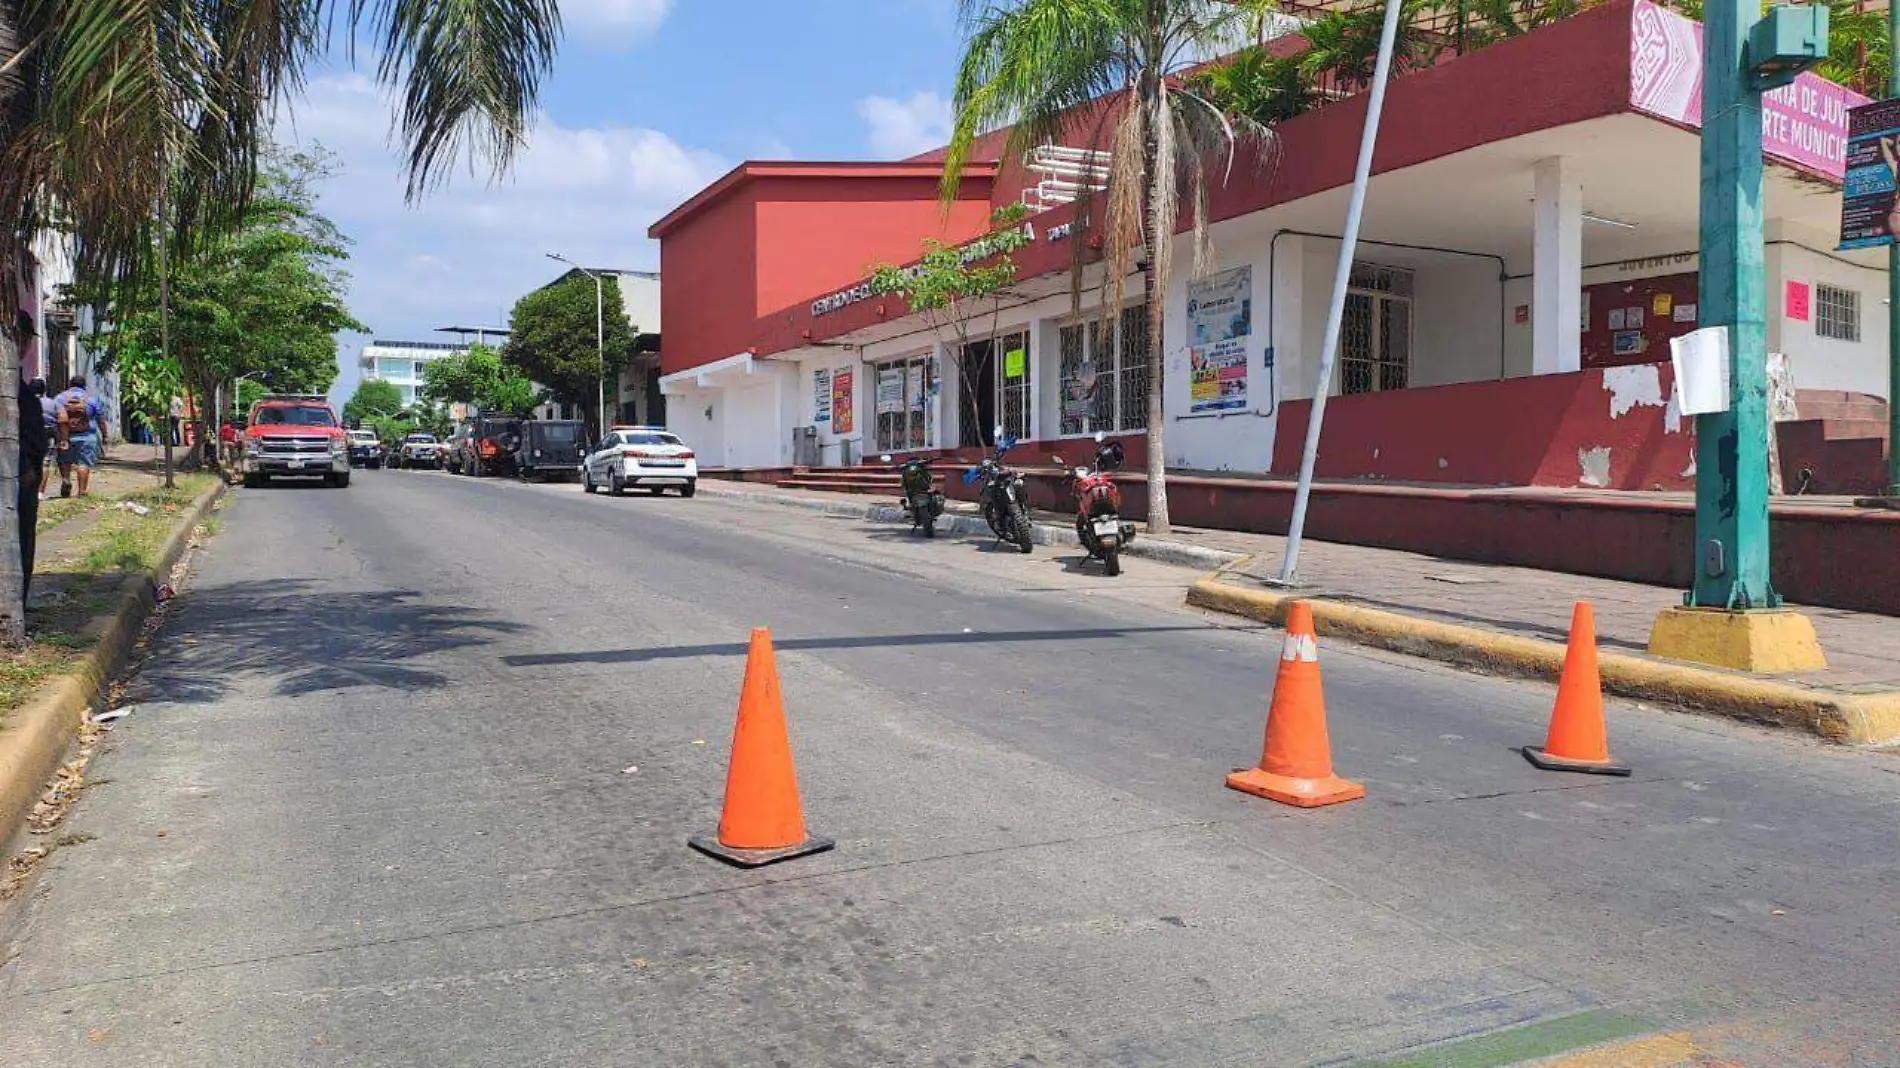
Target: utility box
1787	41
804	446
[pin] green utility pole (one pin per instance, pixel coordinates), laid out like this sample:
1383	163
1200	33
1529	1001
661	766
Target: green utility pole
1731	496
1732	617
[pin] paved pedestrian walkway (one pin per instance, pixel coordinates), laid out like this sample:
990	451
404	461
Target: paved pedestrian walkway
1863	649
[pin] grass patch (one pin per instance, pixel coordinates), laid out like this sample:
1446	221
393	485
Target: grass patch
87	578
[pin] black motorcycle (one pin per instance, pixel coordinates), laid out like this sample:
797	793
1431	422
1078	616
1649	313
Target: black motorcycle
1005	497
922	503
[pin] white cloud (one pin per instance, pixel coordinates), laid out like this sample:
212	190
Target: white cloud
468	251
612	23
899	128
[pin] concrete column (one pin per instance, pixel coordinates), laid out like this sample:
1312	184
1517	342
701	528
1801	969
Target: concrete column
1291	363
1557	282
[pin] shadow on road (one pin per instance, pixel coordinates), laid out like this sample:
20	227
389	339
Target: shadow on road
869	641
309	640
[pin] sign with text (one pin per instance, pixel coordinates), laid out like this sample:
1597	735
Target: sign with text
1798	301
1868	196
1220	323
821	395
1803	123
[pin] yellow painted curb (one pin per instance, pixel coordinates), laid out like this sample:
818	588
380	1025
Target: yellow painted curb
34	737
1853	719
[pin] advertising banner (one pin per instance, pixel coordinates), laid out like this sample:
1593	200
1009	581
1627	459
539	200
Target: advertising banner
1868	191
841	401
1804	123
1220	323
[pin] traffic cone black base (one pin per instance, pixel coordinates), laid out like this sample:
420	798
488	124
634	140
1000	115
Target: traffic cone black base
757	858
1537	756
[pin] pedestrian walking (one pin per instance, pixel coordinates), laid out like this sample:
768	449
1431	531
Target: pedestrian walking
35	439
82	436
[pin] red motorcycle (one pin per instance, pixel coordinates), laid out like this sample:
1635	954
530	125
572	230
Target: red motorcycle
1098	506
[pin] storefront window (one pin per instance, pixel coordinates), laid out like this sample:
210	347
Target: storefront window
1105	387
906	416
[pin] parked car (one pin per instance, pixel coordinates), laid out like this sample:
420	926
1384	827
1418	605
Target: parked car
487	446
420	450
366	449
652	458
295	435
550	448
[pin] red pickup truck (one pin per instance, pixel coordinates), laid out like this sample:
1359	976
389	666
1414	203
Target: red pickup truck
293	436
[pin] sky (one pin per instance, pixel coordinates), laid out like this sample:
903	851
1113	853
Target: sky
650	101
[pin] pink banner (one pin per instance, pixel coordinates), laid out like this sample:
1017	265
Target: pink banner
1804	123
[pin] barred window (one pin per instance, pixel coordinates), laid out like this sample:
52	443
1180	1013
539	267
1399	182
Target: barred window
1375	338
1836	312
1103	383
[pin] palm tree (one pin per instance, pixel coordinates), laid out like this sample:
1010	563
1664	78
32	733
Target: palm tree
115	113
1035	64
1344	44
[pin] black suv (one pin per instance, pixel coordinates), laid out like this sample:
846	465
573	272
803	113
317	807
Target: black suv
550	449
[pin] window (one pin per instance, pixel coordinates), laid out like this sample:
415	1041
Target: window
905	417
1375	337
394	369
648	438
295	417
1013	385
1105	386
1836	312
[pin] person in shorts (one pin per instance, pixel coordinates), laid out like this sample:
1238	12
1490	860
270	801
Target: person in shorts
82	436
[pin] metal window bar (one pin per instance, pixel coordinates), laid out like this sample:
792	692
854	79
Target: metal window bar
1013	393
1837	312
1133	351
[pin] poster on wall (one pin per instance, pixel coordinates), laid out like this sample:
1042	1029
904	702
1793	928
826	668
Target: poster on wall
841	401
821	395
1869	190
890	390
1220	323
1798	301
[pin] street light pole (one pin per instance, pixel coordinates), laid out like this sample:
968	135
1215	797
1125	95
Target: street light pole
600	336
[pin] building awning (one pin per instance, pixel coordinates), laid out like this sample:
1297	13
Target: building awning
720	374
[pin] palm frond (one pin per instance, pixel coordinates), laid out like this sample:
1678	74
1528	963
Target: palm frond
469	73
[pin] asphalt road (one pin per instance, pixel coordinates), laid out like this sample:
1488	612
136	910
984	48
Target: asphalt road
413	765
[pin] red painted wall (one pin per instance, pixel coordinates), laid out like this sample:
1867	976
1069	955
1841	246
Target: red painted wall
818	235
1515	432
709	302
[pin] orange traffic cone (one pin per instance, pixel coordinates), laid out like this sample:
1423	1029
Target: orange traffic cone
1579	740
1296	762
762	822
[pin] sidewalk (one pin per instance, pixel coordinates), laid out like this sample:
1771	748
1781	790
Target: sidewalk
1862	649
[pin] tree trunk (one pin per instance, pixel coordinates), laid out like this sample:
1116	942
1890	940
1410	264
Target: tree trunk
1156	246
12	573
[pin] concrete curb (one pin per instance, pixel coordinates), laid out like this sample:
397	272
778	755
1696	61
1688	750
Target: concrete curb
1167	552
34	737
1853	719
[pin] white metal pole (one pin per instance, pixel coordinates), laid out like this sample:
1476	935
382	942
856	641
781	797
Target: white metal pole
600	348
1349	240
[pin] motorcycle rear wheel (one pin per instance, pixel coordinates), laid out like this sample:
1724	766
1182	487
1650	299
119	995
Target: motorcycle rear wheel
929	525
1112	560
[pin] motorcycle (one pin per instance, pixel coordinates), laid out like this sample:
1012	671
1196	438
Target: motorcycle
922	503
1098	506
1005	497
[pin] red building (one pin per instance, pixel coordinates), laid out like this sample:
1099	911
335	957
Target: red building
1527	253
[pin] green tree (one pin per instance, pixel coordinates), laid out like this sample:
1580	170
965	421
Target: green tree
552	340
1257	84
1345	44
952	284
118	120
373	397
264	299
1033	64
478	377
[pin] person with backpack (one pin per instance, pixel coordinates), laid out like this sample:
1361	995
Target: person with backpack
82	436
